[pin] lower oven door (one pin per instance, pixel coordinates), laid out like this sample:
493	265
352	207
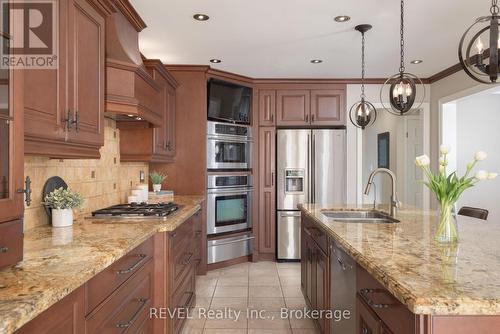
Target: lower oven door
228	153
229	248
229	210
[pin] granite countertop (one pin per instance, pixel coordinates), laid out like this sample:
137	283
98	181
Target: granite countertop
58	261
427	277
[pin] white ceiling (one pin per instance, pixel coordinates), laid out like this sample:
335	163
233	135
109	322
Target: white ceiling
278	38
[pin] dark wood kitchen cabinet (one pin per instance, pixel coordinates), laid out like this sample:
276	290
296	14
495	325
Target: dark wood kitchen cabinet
176	261
328	107
11	163
267	191
367	321
267	107
292	107
65	317
64	110
304	107
141	141
315	270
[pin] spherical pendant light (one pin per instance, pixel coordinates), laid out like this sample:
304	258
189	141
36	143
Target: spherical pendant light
402	87
363	113
478	48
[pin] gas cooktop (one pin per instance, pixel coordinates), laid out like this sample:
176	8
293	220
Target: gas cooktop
137	210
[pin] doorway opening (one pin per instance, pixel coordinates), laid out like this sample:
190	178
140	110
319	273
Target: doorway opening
469	124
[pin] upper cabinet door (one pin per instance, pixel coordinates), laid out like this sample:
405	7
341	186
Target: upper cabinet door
11	143
45	107
293	107
328	107
86	73
170	115
267	107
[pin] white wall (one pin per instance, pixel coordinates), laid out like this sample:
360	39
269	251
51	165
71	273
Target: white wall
355	152
478	118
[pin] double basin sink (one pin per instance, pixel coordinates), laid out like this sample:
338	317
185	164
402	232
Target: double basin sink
369	216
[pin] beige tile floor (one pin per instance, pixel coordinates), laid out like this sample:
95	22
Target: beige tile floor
261	286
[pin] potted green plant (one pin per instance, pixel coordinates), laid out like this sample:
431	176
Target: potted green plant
157	179
448	187
62	202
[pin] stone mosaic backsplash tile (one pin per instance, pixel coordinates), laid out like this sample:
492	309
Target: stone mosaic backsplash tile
102	182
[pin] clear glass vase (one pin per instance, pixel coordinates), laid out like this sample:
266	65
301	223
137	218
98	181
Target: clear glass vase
447	232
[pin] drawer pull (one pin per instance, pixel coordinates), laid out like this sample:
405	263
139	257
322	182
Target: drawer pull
364	294
173	235
4	249
188	302
197	233
143	302
189	257
142	257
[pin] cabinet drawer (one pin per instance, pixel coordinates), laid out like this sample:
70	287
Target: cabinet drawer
127	309
183	298
11	242
182	234
184	259
317	234
391	311
103	284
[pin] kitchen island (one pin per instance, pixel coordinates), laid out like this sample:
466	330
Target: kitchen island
59	261
446	289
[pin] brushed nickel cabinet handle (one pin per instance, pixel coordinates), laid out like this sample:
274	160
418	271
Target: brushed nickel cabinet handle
77	120
173	235
312	118
188	260
4	249
364	294
272	179
307	118
143	302
272	118
133	267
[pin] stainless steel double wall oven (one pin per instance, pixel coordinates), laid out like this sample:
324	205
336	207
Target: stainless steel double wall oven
229	191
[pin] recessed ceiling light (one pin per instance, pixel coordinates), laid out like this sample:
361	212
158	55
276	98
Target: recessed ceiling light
215	61
201	17
316	61
417	61
342	18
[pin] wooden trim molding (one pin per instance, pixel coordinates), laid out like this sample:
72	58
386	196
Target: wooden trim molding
187	68
445	73
158	65
242	79
126	8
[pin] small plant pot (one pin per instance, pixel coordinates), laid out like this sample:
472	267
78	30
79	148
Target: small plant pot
156	188
62	217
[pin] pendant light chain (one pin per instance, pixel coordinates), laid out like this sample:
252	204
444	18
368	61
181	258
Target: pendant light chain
494	7
362	65
402	31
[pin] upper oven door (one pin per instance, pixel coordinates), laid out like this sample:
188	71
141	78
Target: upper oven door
226	153
229	210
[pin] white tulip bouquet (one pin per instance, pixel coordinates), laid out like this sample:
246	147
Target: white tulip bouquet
449	187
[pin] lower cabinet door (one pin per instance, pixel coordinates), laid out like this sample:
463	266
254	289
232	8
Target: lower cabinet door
310	272
65	317
321	285
367	321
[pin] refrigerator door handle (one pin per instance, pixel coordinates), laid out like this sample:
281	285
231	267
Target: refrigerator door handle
313	169
309	166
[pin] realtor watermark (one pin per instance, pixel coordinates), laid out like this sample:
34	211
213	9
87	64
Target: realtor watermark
227	313
29	38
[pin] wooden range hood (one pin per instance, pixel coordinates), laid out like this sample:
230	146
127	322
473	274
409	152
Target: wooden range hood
131	92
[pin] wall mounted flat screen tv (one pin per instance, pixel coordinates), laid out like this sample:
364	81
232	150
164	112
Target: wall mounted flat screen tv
228	102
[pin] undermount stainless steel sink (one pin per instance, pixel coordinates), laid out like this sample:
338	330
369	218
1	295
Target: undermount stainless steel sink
371	216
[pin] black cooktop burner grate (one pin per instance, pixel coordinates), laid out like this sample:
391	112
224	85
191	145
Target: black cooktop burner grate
137	210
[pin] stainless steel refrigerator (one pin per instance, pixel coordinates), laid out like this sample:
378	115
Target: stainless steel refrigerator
310	169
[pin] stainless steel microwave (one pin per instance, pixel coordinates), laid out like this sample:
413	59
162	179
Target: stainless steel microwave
229	146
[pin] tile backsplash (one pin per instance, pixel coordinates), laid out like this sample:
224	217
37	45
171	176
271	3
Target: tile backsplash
102	182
